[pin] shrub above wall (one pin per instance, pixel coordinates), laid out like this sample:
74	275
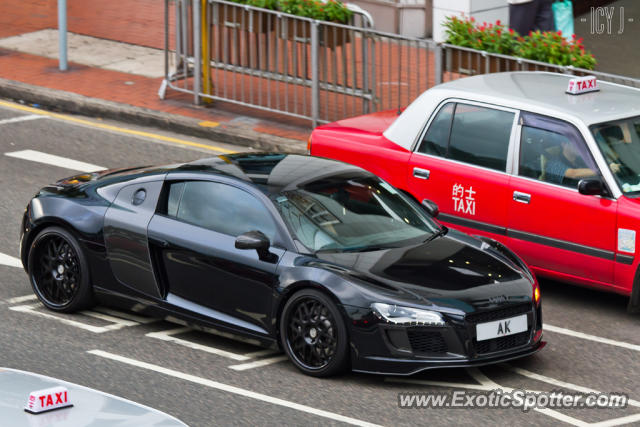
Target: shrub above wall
549	46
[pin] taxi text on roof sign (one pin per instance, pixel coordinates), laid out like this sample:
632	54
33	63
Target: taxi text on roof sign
582	85
48	400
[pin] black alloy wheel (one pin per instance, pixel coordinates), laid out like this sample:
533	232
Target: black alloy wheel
59	271
313	334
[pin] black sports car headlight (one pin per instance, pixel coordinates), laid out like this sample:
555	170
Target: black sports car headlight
407	315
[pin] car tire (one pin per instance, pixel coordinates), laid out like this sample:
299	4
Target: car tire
59	272
313	334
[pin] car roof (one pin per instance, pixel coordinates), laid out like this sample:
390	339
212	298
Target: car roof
547	91
90	407
273	173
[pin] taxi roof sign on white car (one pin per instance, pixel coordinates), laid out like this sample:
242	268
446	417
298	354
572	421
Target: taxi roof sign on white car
581	85
48	399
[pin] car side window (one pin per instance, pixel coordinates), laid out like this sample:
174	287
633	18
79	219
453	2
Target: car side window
436	139
480	136
220	207
555	153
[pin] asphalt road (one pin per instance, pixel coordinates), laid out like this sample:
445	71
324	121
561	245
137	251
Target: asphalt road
207	380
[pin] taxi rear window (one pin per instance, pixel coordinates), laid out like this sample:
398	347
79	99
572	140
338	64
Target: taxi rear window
471	134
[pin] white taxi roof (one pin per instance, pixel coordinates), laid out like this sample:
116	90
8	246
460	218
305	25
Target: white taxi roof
540	92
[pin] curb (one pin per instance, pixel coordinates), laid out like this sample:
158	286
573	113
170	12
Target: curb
69	102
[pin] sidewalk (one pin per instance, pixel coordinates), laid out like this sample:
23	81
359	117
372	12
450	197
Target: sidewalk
99	86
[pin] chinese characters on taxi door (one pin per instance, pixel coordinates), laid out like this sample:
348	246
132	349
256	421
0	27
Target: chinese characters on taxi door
463	199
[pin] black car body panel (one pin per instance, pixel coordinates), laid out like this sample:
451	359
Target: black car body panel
139	255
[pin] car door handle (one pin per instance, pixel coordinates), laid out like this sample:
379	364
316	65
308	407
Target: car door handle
421	173
521	197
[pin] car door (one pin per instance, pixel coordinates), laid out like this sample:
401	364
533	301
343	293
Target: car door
125	236
551	225
461	164
193	238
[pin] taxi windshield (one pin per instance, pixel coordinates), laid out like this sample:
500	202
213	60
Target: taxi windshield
619	142
353	215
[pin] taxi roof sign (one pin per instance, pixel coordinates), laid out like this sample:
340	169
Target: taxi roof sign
582	85
48	400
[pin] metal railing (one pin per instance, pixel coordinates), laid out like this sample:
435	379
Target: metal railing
460	61
315	70
319	71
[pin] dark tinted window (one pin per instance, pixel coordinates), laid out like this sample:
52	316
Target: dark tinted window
222	208
175	192
480	136
554	156
436	139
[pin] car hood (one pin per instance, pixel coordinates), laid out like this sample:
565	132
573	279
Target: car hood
455	271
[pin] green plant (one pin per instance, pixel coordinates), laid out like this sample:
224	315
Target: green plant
329	10
548	47
551	47
493	38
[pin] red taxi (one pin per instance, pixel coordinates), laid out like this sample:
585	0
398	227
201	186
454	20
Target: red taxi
545	163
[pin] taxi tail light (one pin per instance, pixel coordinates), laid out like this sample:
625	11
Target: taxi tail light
309	145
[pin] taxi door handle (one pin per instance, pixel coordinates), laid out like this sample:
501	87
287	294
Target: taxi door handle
421	173
521	197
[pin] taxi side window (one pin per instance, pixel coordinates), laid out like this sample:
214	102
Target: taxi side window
554	156
436	140
480	136
471	134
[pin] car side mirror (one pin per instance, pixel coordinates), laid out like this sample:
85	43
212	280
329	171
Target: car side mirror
255	240
591	187
431	207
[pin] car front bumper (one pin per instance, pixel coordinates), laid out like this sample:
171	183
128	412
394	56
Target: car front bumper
383	348
396	366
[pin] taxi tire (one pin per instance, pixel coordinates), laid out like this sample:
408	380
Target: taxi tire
83	296
340	359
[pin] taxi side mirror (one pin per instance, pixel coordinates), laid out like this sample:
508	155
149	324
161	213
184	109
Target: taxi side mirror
431	207
591	187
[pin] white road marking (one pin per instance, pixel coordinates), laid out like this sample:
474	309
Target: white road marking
485	384
116	322
22	119
559	383
232	389
50	159
10	261
30	309
258	363
125	315
594	338
261	353
18	300
492	385
168	336
618	421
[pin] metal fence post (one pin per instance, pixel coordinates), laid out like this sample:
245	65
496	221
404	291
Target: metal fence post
197	48
315	72
437	51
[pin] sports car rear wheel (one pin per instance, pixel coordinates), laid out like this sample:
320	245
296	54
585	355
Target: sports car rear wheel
58	271
313	334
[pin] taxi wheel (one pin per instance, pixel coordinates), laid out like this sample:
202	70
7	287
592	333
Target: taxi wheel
58	271
313	334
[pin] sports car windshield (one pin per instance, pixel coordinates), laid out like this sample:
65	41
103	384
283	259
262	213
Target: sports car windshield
355	214
619	142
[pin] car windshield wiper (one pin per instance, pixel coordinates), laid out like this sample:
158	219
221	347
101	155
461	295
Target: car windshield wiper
444	230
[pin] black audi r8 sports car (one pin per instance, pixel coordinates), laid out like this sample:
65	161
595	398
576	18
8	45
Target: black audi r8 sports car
321	258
